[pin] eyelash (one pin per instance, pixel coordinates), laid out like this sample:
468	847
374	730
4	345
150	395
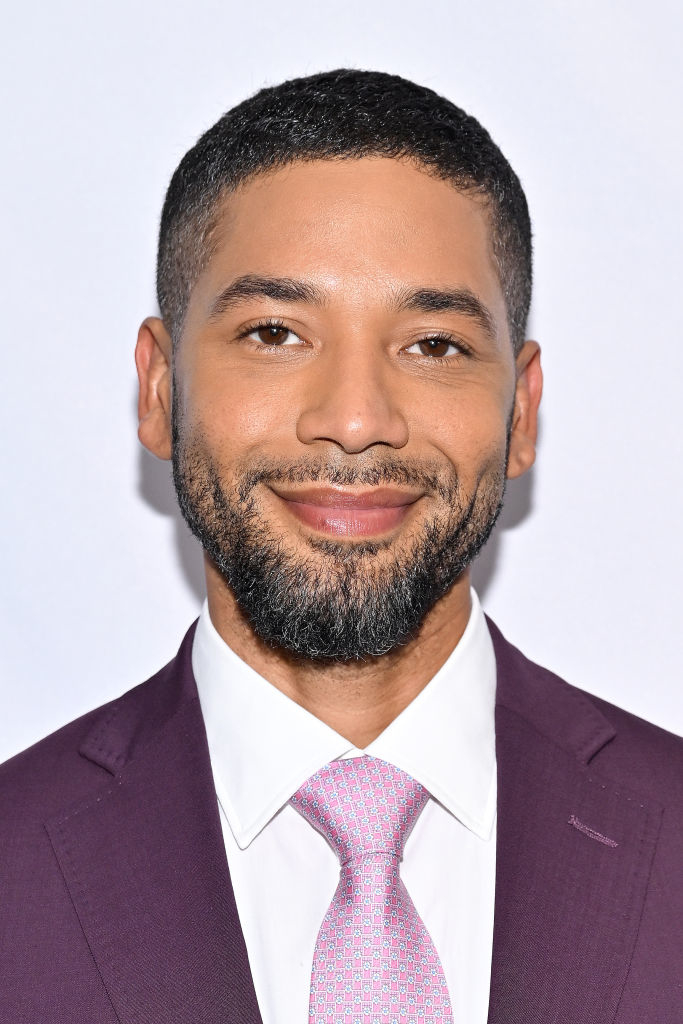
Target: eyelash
438	336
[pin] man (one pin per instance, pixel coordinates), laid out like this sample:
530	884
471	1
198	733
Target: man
348	795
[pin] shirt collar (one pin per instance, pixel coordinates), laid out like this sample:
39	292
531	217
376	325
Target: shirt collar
263	746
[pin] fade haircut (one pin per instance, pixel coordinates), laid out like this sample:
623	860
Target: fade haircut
337	115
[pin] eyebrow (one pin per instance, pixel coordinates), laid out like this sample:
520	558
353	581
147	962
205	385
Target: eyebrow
448	300
288	289
249	286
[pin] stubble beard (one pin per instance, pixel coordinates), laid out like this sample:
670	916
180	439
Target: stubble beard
346	601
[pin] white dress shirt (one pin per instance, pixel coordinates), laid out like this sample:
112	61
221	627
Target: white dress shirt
263	746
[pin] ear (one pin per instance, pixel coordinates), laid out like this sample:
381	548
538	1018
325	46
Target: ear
153	355
528	392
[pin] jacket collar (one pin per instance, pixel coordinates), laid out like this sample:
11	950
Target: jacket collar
556	710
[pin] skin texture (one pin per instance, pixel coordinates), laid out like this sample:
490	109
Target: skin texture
352	383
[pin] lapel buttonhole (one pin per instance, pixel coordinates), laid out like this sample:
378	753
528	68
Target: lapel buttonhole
590	832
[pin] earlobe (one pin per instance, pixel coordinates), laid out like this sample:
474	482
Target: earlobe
528	391
153	358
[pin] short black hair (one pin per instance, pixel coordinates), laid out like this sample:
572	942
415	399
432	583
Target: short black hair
342	114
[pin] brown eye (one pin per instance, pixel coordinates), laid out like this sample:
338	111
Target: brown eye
271	334
435	347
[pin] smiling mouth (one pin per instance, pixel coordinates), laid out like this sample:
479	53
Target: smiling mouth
343	513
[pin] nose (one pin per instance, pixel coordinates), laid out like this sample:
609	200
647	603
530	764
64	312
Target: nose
353	400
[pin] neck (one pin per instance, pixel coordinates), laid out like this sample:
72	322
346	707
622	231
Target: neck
357	699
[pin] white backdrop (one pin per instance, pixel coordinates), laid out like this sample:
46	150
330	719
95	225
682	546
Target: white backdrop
99	578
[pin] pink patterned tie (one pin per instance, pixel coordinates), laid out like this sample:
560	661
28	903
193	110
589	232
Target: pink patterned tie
374	962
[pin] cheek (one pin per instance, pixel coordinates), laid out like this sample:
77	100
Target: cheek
235	415
469	429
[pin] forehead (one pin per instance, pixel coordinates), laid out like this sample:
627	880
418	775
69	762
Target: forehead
356	228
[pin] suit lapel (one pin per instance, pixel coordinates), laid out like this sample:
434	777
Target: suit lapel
573	855
145	866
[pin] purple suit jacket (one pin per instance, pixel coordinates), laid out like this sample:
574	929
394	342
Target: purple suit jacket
116	905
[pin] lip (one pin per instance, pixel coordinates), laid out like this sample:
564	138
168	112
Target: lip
342	512
338	497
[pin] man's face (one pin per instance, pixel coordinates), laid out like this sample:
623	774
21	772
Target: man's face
344	394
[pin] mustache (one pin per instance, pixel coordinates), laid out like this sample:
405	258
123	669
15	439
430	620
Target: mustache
431	477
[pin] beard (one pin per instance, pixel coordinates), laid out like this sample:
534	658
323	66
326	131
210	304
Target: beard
346	601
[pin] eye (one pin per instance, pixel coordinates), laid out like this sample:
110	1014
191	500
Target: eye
438	347
269	334
272	334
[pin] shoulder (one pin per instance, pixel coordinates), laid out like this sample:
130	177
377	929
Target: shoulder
649	756
636	753
51	771
67	765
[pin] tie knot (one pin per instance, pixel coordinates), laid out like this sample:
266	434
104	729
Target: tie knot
362	805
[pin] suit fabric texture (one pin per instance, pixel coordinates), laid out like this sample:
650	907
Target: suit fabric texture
116	903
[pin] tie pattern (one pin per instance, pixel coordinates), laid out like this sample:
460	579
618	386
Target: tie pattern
374	961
